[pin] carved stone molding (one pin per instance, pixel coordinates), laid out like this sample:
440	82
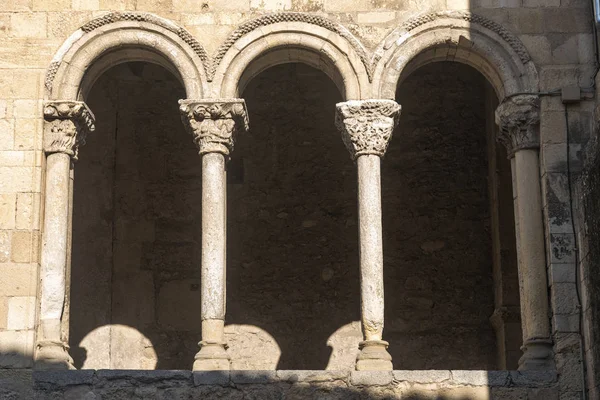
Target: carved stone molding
367	125
307	18
214	122
518	118
413	23
67	125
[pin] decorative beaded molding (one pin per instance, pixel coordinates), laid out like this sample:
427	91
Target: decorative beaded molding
414	23
274	18
369	62
139	17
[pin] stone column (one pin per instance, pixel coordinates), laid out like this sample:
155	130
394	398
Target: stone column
213	124
366	127
66	125
518	118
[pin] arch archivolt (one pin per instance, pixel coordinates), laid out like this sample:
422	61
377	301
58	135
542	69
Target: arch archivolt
121	37
291	37
454	36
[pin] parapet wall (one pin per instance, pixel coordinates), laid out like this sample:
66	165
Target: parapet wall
134	384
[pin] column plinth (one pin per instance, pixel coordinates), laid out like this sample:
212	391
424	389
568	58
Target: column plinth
366	127
66	125
518	118
213	125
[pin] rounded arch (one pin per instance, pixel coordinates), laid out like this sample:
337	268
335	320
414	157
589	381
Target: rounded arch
291	37
122	37
454	36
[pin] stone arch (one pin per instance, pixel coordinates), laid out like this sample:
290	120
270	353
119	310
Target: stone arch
122	37
454	36
291	37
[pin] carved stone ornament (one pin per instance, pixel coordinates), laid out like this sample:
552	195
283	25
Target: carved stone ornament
67	125
518	118
367	125
214	122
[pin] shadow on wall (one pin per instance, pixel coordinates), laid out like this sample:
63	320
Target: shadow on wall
141	384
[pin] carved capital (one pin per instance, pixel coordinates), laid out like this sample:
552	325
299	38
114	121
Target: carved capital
367	125
66	127
518	118
214	122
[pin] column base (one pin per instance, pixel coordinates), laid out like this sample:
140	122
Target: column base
211	357
52	354
374	356
537	355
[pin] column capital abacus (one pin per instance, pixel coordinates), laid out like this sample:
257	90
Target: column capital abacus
367	125
67	125
214	123
518	118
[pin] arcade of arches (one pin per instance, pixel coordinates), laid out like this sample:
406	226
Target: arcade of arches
272	253
293	292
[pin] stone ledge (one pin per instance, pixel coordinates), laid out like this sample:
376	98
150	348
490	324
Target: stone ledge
445	378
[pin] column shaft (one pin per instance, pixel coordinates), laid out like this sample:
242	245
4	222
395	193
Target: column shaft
534	294
371	245
54	244
214	212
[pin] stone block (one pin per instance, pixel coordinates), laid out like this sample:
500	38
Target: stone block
21	313
26	83
15	5
562	248
553	127
59	22
51	5
562	273
120	5
26	131
63	378
247	377
90	5
4	248
22	246
16	349
154	5
271	5
371	378
17	279
28	25
211	378
7	210
565	322
527	20
375	17
539	49
566	20
422	376
564	298
26	109
24	210
565	48
480	378
7	134
311	376
347	6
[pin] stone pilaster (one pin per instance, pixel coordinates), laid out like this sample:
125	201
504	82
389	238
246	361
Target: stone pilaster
66	125
518	118
213	124
366	127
